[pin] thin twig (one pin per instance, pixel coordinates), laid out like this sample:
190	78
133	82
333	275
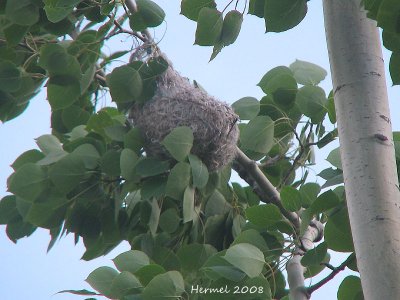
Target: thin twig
299	156
130	32
334	272
132	7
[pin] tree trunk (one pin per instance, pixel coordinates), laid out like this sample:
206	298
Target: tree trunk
366	145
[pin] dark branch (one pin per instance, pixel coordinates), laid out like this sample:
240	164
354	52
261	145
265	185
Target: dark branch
334	272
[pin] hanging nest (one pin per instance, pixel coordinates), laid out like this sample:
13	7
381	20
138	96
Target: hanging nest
177	102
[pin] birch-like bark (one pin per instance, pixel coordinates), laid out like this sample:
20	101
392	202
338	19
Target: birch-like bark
366	145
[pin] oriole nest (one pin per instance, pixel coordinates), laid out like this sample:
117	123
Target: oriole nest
177	102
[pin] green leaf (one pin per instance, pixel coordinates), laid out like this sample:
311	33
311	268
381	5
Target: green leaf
153	187
258	135
62	91
247	108
116	132
373	7
10	76
307	73
48	143
152	14
256	8
110	163
312	102
281	85
315	256
74	116
282	15
209	27
48	214
200	173
291	198
337	232
133	140
164	286
147	167
101	280
188	205
315	269
216	267
22	12
78	292
216	204
55	59
125	84
324	202
17	229
128	161
391	40
309	193
88	154
263	215
57	10
231	27
326	139
131	261
30	156
252	236
169	220
8	209
334	158
350	289
97	122
388	15
191	8
147	273
28	182
247	258
154	216
394	67
202	252
67	173
271	81
178	180
216	49
179	142
124	284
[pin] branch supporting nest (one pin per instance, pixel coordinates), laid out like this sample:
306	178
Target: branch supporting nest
252	174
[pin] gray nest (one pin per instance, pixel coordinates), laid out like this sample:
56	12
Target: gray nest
178	103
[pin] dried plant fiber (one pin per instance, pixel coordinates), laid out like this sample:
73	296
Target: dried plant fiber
179	103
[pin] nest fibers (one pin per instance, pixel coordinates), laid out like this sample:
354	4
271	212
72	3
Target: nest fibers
178	103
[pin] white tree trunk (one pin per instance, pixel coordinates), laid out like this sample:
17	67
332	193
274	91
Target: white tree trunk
366	145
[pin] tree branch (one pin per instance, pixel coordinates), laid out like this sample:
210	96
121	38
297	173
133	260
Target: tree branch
334	272
251	173
295	271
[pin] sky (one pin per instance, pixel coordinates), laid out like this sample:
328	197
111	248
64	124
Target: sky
28	272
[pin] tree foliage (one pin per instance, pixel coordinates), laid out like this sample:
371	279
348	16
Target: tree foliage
92	178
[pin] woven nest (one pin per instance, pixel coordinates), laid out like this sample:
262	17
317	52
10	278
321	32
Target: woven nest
178	103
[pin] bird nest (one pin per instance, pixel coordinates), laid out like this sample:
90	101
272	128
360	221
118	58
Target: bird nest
177	102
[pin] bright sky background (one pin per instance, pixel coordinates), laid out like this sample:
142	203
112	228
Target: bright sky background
27	271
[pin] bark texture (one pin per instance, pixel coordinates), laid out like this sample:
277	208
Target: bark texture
366	145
